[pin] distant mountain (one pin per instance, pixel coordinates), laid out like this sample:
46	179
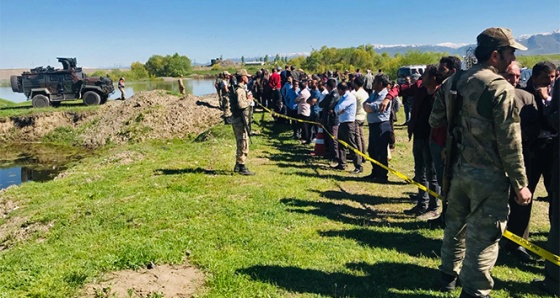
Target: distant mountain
537	44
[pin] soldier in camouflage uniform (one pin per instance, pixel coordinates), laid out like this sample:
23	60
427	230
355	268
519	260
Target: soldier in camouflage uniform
224	92
489	147
240	103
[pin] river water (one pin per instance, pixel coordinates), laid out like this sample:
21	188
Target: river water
34	163
194	87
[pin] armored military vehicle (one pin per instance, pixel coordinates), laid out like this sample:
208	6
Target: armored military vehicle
46	86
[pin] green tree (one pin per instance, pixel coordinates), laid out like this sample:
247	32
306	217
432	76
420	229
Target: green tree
168	66
155	65
138	71
266	59
242	59
177	65
276	59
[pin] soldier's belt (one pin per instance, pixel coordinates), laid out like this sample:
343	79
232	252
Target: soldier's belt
507	234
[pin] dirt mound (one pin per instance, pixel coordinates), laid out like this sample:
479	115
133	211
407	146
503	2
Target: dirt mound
33	127
227	63
160	281
151	115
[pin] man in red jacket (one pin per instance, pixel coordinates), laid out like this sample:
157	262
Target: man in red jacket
275	84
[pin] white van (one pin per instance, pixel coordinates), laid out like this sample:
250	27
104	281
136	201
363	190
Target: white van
409	70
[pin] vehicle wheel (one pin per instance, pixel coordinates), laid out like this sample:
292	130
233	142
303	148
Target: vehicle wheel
15	85
91	98
40	101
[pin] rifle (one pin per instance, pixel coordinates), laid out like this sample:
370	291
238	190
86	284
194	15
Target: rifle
455	104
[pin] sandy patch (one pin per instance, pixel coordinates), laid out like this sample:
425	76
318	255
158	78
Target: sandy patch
180	281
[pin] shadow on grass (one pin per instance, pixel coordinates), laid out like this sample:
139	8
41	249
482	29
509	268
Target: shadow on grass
361	216
410	243
383	279
198	170
208	105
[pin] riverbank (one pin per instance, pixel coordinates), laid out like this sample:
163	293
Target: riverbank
297	228
146	115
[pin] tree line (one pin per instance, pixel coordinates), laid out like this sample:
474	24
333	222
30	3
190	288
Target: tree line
156	66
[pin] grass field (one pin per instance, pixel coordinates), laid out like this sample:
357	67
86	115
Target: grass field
295	229
13	109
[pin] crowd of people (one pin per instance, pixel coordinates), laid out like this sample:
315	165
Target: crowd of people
505	139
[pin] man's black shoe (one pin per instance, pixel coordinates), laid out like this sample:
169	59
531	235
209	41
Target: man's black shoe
236	168
357	171
340	167
447	283
416	210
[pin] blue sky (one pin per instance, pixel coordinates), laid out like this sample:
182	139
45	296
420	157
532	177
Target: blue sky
103	33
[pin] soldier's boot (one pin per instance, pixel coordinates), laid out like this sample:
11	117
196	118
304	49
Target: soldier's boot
244	171
236	168
447	282
227	120
467	295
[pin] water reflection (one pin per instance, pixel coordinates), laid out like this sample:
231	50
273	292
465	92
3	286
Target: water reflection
19	175
35	162
195	87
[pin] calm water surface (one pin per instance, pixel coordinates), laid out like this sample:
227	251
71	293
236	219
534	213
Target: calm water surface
195	87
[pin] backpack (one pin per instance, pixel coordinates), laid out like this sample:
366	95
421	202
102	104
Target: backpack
233	102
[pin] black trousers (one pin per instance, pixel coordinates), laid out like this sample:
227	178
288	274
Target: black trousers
537	157
379	136
347	132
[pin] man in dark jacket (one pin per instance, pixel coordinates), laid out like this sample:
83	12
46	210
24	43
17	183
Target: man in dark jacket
330	120
419	127
540	162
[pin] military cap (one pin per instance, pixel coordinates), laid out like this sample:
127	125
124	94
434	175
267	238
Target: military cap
498	37
242	72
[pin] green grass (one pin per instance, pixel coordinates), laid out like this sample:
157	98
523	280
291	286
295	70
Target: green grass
296	229
6	103
12	109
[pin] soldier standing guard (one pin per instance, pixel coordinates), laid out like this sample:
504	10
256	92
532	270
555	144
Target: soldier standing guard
181	85
488	144
224	91
121	87
240	103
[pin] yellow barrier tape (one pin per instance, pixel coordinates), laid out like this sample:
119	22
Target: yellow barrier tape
507	234
532	247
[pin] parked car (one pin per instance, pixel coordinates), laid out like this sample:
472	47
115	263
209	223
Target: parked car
409	70
525	75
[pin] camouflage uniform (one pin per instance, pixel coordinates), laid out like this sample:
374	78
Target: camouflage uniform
489	147
238	124
224	98
181	85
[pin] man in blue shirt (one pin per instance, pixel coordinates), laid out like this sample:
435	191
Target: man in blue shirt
379	128
290	101
346	111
